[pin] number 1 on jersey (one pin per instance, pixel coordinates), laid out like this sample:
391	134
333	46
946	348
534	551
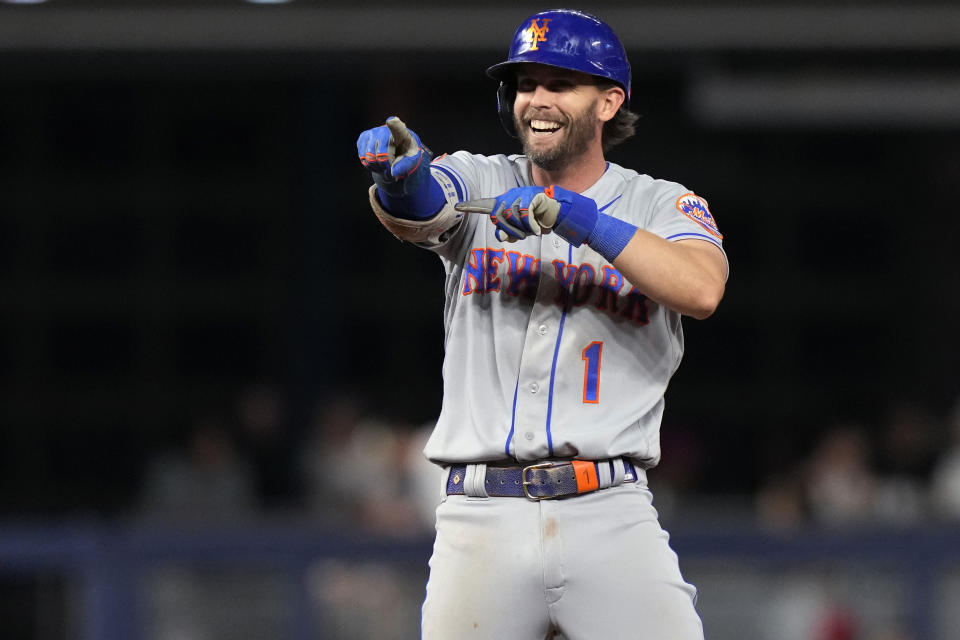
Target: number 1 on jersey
591	372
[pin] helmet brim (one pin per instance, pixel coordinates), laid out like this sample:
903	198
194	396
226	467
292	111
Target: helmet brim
504	71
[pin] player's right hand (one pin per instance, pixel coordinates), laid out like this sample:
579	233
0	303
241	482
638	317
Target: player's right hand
391	150
519	212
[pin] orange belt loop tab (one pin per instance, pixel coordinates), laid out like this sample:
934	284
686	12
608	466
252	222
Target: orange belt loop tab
586	474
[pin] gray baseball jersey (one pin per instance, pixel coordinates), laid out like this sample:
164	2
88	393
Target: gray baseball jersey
550	351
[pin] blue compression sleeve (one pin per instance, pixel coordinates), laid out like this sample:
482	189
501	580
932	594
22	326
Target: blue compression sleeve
417	197
611	235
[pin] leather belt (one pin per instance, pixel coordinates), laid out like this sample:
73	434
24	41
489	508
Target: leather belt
539	481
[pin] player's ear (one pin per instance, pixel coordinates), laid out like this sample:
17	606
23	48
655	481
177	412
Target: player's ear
610	100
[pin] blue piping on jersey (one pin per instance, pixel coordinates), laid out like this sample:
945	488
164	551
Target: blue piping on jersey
698	235
553	367
455	178
513	417
600	210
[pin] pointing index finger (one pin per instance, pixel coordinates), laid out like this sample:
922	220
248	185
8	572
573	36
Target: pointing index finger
484	205
396	126
402	139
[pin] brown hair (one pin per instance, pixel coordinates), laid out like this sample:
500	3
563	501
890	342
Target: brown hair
619	127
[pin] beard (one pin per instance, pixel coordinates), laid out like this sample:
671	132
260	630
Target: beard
577	134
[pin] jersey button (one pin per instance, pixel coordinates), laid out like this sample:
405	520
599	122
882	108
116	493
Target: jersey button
528	435
542	329
534	387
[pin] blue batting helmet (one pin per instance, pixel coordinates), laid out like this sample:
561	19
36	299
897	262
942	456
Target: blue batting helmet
566	39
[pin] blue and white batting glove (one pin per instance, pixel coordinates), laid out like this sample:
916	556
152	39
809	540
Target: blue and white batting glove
400	165
395	156
514	214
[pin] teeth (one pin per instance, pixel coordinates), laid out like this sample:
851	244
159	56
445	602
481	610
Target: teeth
544	125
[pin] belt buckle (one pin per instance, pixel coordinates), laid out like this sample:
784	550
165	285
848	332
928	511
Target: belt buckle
526	483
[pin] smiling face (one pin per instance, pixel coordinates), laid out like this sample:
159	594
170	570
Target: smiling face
558	114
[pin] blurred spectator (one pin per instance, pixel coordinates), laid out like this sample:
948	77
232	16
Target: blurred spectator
780	501
900	500
945	481
355	468
674	482
362	600
207	480
800	607
322	459
366	476
840	489
212	603
426	480
908	441
905	460
266	439
836	623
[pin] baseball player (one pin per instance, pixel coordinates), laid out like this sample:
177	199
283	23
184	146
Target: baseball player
566	279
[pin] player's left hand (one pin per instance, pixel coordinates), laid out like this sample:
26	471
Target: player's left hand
518	213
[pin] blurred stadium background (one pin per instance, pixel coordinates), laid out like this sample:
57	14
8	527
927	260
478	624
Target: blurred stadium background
217	369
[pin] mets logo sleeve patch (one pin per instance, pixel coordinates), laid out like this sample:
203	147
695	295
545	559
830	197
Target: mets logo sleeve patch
695	208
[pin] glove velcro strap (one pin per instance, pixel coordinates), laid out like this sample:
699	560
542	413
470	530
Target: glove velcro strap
577	217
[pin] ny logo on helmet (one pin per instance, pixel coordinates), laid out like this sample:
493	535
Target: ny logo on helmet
536	33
